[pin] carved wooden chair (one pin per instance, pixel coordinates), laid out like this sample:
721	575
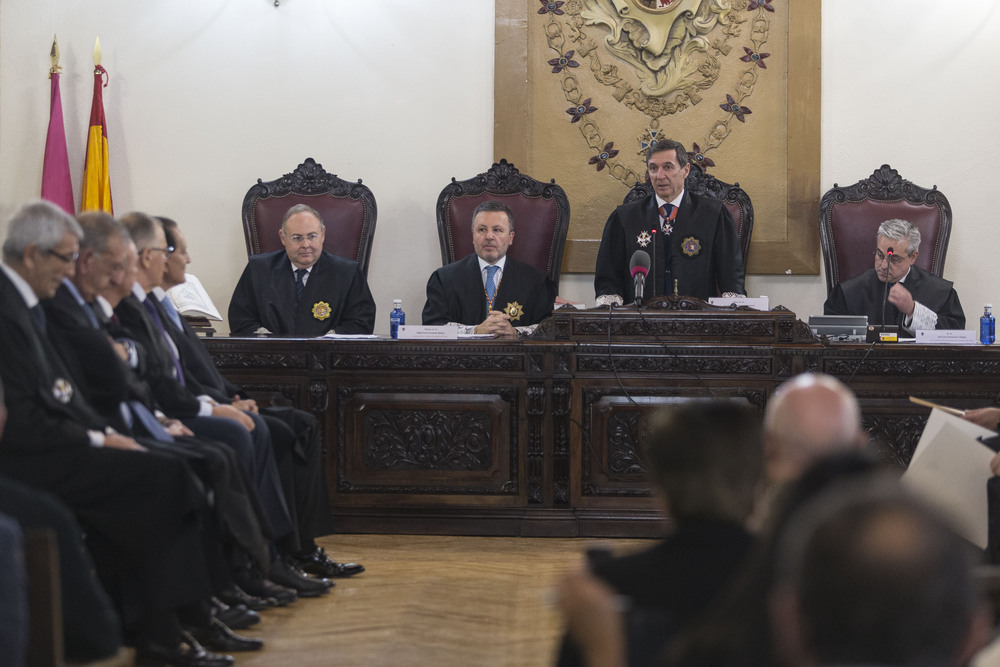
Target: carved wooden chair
733	197
541	216
849	218
348	211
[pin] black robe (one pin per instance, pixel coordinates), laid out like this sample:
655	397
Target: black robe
863	295
455	293
705	257
336	298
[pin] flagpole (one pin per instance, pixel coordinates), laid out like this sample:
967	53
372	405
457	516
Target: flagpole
57	187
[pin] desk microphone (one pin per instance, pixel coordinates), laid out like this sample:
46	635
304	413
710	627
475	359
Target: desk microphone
885	292
639	268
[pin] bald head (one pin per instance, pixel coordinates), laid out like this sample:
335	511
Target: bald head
808	417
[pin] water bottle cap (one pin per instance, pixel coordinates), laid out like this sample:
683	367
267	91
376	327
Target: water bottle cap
990	306
397	302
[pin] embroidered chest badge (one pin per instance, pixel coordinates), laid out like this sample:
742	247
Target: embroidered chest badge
62	390
321	310
691	246
643	239
514	310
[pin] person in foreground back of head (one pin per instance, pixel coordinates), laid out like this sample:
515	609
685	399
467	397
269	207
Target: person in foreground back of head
896	291
866	575
705	459
808	417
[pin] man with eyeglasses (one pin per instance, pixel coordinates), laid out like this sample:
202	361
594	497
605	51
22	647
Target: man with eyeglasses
302	290
915	298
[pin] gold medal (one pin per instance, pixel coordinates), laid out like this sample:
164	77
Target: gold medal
321	310
691	246
514	310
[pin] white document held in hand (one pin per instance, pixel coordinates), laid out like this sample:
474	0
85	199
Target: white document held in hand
949	469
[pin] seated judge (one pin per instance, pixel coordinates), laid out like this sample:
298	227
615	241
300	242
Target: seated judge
691	240
488	292
302	290
914	298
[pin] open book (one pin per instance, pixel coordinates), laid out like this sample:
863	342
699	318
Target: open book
191	299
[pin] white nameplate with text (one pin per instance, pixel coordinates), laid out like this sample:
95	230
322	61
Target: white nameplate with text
429	332
947	337
755	302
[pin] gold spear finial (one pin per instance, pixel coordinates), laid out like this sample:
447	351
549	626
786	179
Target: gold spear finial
97	52
54	56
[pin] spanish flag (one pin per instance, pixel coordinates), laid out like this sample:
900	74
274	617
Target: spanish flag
56	184
96	195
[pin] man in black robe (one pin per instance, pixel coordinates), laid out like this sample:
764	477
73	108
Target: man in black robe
487	291
896	291
302	290
691	240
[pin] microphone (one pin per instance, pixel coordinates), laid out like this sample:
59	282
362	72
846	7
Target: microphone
639	268
885	292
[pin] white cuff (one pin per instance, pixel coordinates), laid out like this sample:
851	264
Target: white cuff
609	300
923	318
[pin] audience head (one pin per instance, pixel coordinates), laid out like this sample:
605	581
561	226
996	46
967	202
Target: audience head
302	233
809	416
866	574
114	292
151	244
42	245
706	459
179	259
903	238
666	167
103	254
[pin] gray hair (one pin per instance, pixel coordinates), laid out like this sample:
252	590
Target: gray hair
142	229
301	208
99	228
38	223
900	230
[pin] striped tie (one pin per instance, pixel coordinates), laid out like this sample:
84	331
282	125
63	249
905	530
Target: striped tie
491	285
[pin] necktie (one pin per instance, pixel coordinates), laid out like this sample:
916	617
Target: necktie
300	282
149	421
491	285
667	214
38	315
172	313
151	309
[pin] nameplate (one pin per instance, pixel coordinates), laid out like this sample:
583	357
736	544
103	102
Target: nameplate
429	332
948	337
755	302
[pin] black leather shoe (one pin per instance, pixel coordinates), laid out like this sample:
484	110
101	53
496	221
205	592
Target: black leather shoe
236	617
218	637
186	653
321	565
286	574
260	587
237	596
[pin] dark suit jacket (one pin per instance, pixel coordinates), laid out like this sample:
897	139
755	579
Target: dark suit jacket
670	584
705	250
46	411
171	396
455	293
265	297
862	295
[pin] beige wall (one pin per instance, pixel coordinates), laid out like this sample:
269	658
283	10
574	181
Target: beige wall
206	97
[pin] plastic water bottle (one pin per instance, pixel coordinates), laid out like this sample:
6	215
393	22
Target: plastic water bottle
396	317
987	326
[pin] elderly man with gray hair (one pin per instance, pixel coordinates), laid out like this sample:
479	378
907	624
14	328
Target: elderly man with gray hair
896	291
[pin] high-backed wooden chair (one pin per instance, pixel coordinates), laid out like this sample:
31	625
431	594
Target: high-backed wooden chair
541	216
733	197
348	211
849	218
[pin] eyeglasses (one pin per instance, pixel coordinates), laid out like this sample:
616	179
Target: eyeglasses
895	260
66	259
298	239
169	250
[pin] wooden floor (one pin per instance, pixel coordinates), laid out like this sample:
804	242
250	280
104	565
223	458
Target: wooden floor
429	600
